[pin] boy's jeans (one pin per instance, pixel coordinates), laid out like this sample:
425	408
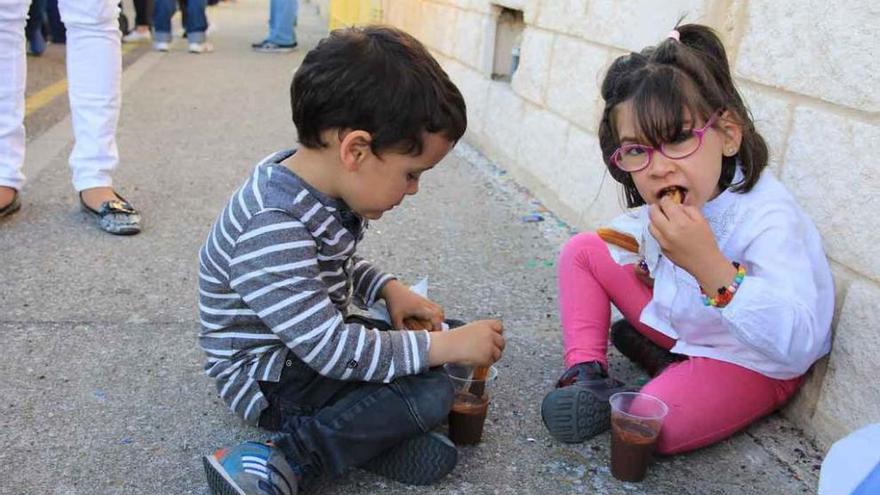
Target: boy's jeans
282	18
196	21
326	426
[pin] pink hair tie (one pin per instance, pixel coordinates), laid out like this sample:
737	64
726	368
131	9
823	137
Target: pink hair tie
674	35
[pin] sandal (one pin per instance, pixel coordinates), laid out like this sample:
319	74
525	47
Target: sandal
117	217
12	207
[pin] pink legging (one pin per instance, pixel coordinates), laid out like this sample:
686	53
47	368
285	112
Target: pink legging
708	399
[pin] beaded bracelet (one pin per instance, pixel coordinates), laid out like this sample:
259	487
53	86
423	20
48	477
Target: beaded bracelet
725	294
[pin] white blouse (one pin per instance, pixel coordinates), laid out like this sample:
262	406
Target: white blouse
779	321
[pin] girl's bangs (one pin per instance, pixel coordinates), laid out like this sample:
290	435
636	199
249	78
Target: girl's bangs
664	105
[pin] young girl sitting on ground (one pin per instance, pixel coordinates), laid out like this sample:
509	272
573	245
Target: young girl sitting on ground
737	303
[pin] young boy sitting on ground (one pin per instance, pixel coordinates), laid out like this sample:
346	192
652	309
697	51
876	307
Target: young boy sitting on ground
373	111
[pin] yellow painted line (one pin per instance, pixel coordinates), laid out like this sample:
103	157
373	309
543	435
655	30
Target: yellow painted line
46	95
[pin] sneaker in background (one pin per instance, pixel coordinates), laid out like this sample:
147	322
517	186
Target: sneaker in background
203	47
161	46
270	47
136	36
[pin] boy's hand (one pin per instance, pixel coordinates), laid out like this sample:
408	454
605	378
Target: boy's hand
479	343
403	303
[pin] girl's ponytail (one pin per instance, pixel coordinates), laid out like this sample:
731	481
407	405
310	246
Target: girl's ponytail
753	153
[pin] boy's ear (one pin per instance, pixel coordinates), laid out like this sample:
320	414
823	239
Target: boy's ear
731	133
354	148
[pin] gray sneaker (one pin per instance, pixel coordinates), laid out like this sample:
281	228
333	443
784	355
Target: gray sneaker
421	460
250	468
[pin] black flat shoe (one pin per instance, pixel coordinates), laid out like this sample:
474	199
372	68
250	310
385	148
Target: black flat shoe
117	217
12	207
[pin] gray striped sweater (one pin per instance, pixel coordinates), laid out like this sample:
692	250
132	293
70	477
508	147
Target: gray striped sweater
277	273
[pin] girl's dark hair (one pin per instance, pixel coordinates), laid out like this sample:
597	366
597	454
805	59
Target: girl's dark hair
669	82
380	80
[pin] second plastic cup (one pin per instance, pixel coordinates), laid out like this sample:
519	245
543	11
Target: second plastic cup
470	405
636	420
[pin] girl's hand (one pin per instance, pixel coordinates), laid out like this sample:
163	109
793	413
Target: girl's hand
404	303
687	240
683	234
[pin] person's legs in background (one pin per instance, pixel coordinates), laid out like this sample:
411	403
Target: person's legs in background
34	27
181	6
13	71
143	21
162	12
94	70
56	27
282	17
196	23
282	35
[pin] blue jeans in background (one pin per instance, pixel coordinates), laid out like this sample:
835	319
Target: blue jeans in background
56	27
282	19
34	27
195	25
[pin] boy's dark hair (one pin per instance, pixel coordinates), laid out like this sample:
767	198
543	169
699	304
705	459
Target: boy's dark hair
380	80
668	82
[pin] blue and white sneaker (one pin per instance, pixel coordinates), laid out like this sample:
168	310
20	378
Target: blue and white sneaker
250	468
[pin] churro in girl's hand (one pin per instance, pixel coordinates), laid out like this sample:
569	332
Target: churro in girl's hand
619	239
676	194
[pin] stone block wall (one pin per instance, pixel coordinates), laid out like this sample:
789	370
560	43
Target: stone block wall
808	72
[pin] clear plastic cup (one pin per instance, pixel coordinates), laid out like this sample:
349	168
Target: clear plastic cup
470	405
636	420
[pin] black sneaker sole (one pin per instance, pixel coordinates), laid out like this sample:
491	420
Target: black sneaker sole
218	481
421	460
573	415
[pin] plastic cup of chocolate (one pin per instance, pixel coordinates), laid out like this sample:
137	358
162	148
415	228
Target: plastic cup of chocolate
471	402
636	420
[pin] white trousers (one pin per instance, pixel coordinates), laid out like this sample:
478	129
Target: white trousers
94	69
